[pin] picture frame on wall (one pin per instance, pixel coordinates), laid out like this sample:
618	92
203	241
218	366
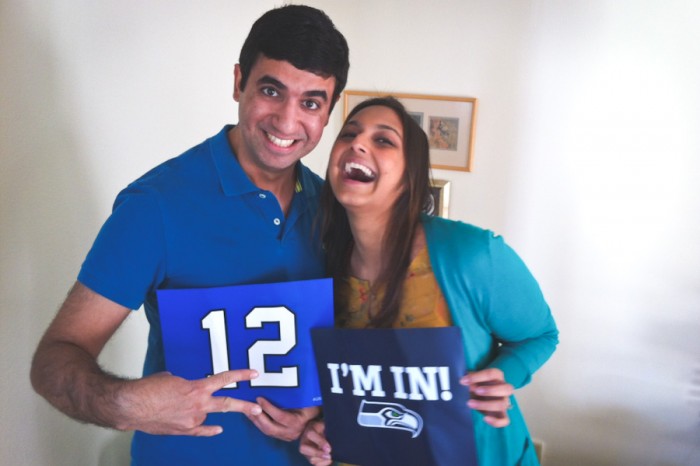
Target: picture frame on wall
440	198
449	122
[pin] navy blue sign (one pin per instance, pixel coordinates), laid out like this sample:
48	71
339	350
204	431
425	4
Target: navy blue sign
392	396
264	327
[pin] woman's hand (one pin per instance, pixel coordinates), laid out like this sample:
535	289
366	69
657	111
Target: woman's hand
314	446
284	424
490	395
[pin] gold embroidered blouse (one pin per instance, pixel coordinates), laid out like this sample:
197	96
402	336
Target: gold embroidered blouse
423	304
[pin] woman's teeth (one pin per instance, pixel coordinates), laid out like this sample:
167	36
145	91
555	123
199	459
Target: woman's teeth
358	172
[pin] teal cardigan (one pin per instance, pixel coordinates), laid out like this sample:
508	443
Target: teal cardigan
505	322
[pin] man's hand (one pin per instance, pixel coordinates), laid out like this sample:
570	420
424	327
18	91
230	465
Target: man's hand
313	444
168	405
284	424
65	372
490	395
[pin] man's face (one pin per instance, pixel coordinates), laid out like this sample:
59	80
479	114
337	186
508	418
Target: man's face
282	112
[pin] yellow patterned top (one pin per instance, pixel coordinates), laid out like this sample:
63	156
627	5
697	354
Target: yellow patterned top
423	304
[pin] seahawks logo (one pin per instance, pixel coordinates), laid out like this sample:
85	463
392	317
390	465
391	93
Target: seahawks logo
389	416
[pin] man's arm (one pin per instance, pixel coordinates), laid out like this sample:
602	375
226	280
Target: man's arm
65	372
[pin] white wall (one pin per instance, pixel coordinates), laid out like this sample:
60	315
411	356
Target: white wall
586	160
93	94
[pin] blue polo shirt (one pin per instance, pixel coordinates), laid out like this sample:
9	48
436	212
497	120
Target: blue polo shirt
198	221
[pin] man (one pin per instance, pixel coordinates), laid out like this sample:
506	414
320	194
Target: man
237	208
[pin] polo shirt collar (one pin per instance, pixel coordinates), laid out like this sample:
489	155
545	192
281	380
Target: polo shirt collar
233	179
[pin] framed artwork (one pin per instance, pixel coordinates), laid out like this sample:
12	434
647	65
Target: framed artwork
439	198
449	122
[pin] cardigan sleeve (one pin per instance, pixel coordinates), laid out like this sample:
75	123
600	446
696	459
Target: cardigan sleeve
518	316
493	298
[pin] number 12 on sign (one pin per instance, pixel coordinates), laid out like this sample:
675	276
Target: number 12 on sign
215	323
265	327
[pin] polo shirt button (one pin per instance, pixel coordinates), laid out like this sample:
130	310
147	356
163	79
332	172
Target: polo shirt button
262	196
277	221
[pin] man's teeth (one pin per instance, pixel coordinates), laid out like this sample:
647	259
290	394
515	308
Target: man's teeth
280	142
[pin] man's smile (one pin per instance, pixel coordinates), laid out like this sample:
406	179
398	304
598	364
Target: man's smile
279	142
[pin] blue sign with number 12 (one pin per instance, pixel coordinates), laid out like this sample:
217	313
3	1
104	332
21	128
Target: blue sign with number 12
265	327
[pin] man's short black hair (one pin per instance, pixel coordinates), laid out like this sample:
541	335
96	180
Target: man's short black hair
303	36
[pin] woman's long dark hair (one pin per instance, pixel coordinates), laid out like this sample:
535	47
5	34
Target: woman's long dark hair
398	240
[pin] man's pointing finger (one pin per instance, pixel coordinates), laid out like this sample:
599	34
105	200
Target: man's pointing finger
218	381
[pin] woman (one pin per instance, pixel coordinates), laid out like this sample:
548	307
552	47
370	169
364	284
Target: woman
394	266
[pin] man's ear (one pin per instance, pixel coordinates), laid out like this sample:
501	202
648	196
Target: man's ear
328	117
236	82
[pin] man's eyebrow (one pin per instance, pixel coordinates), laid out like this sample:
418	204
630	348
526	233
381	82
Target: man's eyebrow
267	79
323	95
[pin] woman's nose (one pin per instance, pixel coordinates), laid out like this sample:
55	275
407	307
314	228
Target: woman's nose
358	146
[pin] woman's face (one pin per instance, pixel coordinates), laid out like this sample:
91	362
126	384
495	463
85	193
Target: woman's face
367	161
